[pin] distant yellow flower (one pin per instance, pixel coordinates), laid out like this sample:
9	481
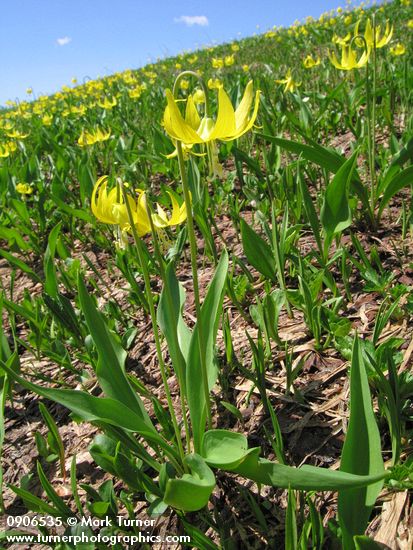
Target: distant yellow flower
229	124
29	91
398	49
90	137
74	80
107	103
178	215
372	39
24	189
348	59
15	134
184	84
229	60
410	23
198	96
193	59
178	66
217	63
214	83
245	68
341	41
348	20
309	62
47	120
235	47
290	83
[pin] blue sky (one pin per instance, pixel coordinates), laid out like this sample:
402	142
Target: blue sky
44	43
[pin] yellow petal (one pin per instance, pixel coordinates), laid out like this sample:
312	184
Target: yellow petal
225	124
175	125
191	114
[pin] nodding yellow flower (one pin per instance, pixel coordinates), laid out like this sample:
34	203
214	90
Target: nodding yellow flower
178	215
109	207
217	63
74	80
245	68
229	60
341	41
214	84
372	40
398	49
178	66
24	189
90	137
47	120
108	103
199	96
348	59
290	83
229	124
7	148
309	62
15	134
193	59
29	91
410	23
348	20
235	47
184	84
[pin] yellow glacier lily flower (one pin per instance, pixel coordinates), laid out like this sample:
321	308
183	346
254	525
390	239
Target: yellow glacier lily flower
24	189
398	49
229	124
108	103
369	36
309	62
217	63
341	41
348	59
178	215
94	136
290	83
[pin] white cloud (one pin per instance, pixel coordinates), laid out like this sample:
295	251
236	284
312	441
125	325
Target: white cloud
190	20
63	41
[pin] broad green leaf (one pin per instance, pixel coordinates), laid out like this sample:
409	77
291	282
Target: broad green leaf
94	409
51	283
16	262
306	478
192	491
36	504
311	213
258	252
335	214
224	449
110	368
171	323
57	501
400	180
210	314
361	454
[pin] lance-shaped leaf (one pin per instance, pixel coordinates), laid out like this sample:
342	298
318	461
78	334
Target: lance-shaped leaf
171	323
224	449
192	491
361	454
258	252
335	213
110	369
210	314
306	478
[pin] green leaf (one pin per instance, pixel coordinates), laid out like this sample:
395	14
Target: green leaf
210	313
51	283
16	262
400	180
362	542
335	215
361	454
306	478
192	491
258	252
224	449
58	502
291	522
171	323
94	409
110	369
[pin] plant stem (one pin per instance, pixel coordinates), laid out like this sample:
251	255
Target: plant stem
149	297
180	366
193	248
